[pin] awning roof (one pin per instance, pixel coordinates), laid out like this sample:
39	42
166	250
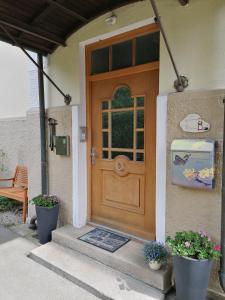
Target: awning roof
43	25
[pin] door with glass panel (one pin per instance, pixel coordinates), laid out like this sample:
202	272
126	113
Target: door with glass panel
123	129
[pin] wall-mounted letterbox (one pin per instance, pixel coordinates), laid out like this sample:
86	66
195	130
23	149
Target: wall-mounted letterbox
62	145
193	163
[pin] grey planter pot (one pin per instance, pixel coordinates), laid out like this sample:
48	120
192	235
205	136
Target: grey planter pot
46	222
191	278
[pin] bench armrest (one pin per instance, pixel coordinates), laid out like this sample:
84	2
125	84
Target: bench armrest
7	179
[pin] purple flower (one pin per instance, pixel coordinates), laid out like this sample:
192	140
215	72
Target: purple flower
205	234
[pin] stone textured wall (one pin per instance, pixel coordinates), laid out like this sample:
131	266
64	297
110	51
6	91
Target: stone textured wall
13	142
20	140
60	167
191	208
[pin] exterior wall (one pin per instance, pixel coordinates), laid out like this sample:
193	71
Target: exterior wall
19	128
60	167
14	82
13	143
192	209
192	31
20	141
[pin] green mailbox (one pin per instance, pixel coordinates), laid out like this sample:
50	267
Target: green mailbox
62	145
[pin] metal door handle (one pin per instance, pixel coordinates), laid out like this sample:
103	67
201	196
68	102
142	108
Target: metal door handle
93	156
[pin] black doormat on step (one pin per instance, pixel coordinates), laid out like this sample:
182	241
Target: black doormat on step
104	239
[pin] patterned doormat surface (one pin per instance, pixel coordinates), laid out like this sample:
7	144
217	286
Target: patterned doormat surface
104	239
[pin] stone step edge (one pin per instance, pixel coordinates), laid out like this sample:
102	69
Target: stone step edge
68	276
57	238
81	283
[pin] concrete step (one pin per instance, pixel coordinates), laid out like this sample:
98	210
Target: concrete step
98	279
128	259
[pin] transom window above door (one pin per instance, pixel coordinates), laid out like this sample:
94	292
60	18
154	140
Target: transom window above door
123	125
136	51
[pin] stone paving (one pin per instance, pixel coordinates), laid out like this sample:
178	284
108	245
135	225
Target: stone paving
22	278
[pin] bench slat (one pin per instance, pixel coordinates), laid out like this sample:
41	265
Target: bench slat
19	189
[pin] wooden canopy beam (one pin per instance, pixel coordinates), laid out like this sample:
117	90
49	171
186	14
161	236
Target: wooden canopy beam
38	16
184	2
68	11
29	29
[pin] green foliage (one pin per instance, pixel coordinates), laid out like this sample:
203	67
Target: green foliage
45	201
197	245
7	204
154	251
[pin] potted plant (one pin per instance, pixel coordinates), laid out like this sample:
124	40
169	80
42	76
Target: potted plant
193	253
47	210
155	254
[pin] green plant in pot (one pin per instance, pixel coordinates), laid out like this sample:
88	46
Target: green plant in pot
193	253
47	211
155	254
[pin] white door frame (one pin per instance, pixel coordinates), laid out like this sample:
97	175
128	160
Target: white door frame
79	149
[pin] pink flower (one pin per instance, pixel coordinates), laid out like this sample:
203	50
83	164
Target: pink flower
187	244
217	248
205	234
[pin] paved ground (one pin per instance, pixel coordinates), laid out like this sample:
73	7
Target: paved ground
22	278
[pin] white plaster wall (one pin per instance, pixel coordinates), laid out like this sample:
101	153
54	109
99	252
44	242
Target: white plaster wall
14	87
196	35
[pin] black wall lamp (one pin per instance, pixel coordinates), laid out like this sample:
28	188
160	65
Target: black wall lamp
184	2
52	132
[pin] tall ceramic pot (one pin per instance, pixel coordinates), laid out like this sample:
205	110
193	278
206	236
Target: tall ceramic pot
191	277
46	222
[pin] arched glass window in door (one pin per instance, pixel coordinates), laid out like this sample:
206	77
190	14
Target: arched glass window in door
123	125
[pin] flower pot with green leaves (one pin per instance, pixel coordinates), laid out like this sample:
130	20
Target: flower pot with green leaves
47	211
193	253
155	254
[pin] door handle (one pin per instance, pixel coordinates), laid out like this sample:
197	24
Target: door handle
93	156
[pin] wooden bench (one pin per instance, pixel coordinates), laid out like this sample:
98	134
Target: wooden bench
19	188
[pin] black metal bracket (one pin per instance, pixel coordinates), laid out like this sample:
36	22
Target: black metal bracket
182	81
181	84
67	98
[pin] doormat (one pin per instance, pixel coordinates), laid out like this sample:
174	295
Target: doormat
104	239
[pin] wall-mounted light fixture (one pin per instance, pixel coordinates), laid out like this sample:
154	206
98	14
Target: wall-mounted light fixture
184	2
52	132
111	20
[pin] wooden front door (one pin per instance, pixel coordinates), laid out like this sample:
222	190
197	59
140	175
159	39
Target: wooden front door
123	122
